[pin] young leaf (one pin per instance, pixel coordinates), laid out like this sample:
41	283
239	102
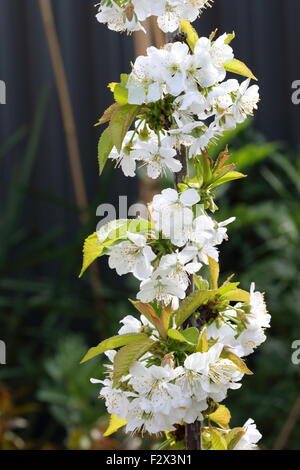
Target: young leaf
105	146
126	356
113	343
119	89
233	437
121	94
120	123
218	441
115	423
230	176
221	416
241	365
191	334
148	311
214	272
238	295
202	345
238	67
95	244
192	36
165	317
200	283
177	335
92	249
230	38
107	114
118	228
145	309
228	287
189	305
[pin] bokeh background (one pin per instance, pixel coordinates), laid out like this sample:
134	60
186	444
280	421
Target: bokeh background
50	190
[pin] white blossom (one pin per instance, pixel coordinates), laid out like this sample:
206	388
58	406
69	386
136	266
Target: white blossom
125	158
133	325
251	437
158	158
217	374
172	214
180	266
162	289
132	255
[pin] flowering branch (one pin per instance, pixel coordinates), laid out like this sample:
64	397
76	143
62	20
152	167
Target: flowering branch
170	369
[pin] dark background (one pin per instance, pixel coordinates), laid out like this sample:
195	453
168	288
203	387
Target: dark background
42	302
266	39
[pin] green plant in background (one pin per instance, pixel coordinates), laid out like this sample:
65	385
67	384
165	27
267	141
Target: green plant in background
38	311
67	392
39	314
266	237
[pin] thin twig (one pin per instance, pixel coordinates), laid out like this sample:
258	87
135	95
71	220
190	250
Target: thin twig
288	427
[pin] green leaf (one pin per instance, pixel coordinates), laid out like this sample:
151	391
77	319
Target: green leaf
119	89
92	249
202	345
96	244
126	356
200	283
113	343
214	272
241	365
105	146
121	94
189	305
229	38
228	287
118	228
221	416
238	295
165	444
160	323
218	441
191	334
120	123
230	176
238	67
115	423
233	437
177	335
192	36
107	114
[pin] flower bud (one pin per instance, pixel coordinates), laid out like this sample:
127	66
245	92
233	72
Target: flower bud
129	10
168	360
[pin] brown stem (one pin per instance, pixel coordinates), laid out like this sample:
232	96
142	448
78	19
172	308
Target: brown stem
289	426
180	175
193	436
192	431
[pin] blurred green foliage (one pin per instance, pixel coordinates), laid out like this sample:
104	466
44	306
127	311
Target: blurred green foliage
49	320
263	247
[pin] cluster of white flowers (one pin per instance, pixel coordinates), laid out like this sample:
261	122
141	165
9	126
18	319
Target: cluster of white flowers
182	101
194	103
156	398
127	15
194	237
254	319
157	155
